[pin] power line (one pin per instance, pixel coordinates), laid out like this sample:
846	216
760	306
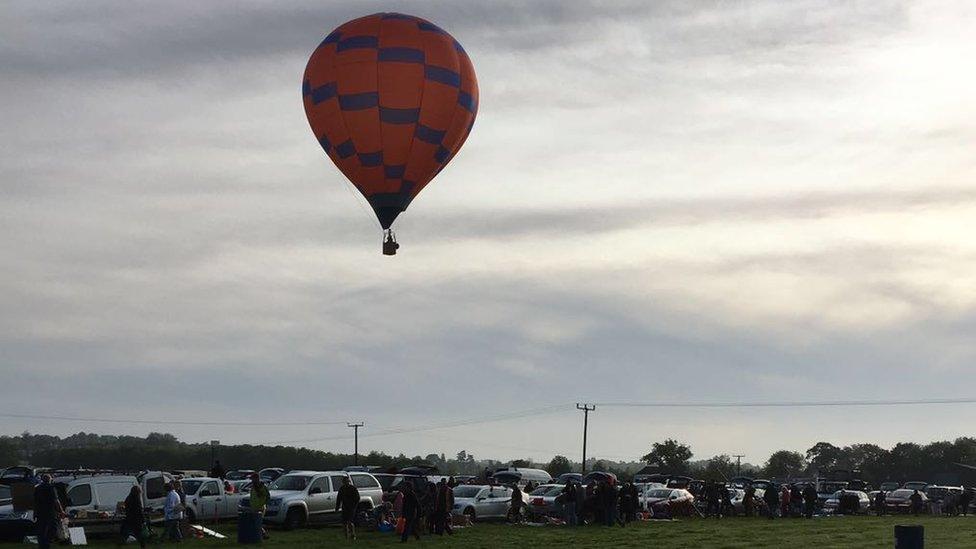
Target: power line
448	425
172	421
788	404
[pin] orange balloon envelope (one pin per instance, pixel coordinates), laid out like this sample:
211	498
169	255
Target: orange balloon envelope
391	98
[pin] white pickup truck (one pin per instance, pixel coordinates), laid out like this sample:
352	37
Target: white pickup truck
208	499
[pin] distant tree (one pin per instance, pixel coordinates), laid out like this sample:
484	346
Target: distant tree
599	465
462	456
719	468
823	456
784	464
523	463
559	465
670	454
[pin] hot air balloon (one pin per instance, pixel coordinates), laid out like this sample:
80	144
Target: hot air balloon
391	98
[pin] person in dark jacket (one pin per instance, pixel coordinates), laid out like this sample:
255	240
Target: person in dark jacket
347	501
442	508
515	507
612	498
411	513
568	496
47	511
916	500
964	500
749	500
771	497
728	510
809	500
217	471
880	502
427	504
135	517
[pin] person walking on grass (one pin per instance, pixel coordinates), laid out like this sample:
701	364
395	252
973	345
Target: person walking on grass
347	501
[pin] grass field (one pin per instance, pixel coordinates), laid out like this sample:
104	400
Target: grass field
839	532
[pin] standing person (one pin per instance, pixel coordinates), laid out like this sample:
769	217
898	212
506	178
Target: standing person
785	497
442	508
568	496
398	504
47	511
809	500
712	508
964	500
880	500
796	498
428	506
259	501
772	501
623	505
411	512
613	496
448	505
728	509
515	508
748	500
916	500
217	471
581	502
173	513
135	517
347	500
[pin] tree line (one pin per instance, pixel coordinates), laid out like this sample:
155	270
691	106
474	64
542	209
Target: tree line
905	461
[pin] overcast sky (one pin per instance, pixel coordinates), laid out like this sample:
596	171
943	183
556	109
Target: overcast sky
659	202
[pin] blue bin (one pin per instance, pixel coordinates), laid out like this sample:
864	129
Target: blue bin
248	527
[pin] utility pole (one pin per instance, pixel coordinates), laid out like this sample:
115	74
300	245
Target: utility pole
586	408
355	427
738	463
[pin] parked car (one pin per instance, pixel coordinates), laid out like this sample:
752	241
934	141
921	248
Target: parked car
566	477
916	485
483	501
241	486
737	495
542	500
239	474
833	503
899	501
521	476
20	473
309	497
668	501
827	488
888	486
207	499
4	494
270	474
939	493
600	476
419	483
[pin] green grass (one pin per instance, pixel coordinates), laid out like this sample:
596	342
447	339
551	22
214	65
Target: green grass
840	532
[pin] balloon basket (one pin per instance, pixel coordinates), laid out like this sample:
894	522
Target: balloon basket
390	244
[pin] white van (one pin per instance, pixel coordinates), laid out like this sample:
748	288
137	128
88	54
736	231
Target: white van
88	496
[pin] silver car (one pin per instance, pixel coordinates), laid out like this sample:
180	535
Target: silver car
305	497
482	501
